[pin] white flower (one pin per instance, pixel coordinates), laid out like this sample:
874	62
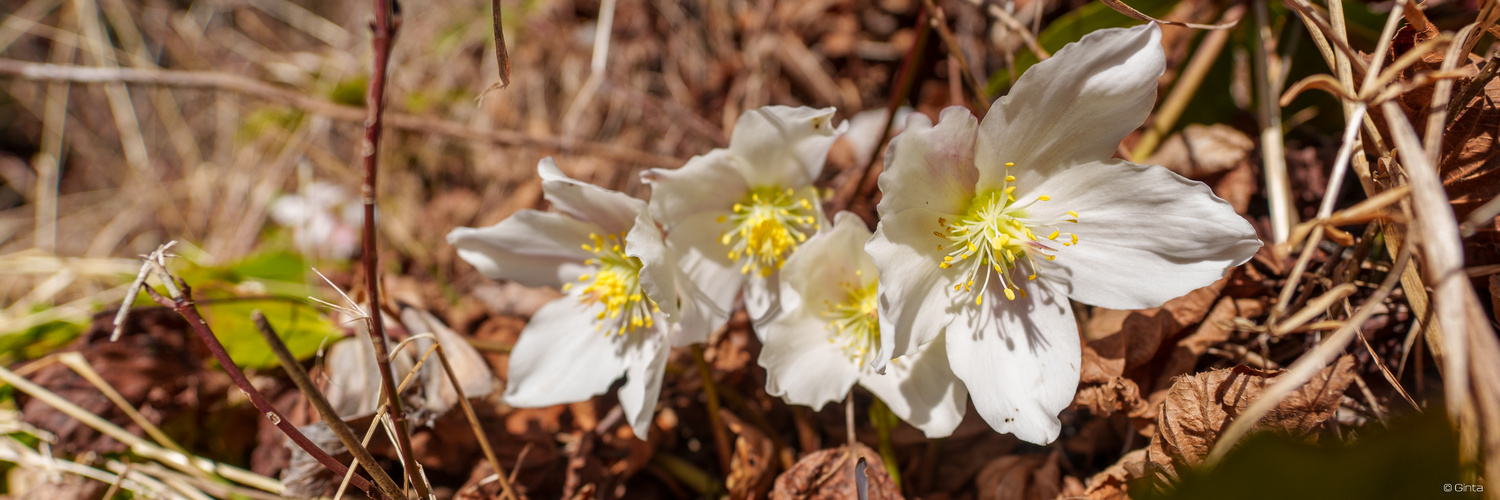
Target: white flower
987	229
323	219
828	335
607	254
734	215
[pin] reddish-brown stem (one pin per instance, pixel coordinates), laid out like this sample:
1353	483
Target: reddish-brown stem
184	306
384	30
864	182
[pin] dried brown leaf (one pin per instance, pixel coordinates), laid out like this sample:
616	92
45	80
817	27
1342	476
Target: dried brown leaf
1021	477
751	469
829	474
1111	483
1199	407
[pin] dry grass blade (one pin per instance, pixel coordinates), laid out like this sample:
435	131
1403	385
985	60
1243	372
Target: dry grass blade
186	463
240	84
1314	308
1305	367
325	410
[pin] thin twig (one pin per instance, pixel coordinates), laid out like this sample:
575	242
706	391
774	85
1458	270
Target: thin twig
940	21
1305	367
305	102
384	26
325	410
183	304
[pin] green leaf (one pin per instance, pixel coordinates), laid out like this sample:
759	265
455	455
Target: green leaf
299	325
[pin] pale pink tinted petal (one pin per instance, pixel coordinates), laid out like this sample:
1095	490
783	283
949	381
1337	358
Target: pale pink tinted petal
931	167
612	210
1072	108
1019	359
560	357
921	389
913	290
1145	234
531	248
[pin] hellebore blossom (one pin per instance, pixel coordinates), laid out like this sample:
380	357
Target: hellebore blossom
735	215
828	335
607	255
987	229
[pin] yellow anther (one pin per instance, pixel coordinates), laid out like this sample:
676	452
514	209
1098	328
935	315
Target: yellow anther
1073	214
1009	164
940	235
1032	277
1054	234
583	278
722	218
1010	178
944	265
979	299
1050	257
1021	292
1010	294
1044	197
1075	238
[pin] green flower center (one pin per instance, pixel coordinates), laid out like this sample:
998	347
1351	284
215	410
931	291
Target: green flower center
995	233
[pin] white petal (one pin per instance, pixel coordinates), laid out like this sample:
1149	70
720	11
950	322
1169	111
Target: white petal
1019	359
1072	108
711	280
802	365
913	291
612	210
658	266
647	365
707	183
931	167
532	248
783	147
828	261
560	358
1145	234
762	300
921	389
864	130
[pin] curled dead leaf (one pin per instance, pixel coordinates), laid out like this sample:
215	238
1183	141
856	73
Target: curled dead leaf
751	469
1198	408
829	474
1111	484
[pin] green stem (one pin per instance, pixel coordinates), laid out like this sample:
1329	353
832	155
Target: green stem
885	422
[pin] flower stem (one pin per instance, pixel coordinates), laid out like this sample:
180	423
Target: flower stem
721	439
885	422
384	31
